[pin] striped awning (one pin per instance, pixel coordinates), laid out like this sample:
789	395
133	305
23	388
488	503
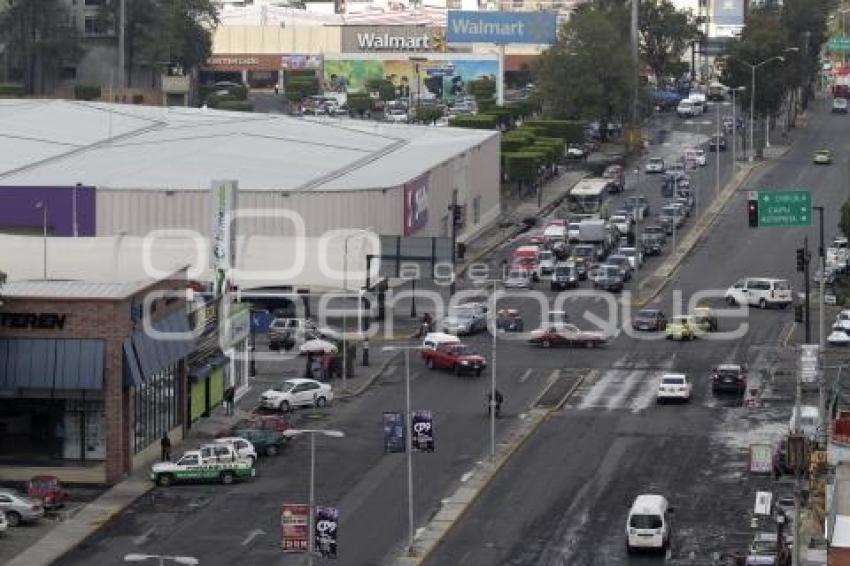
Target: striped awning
146	354
35	363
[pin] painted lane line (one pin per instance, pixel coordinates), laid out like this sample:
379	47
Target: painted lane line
526	374
144	537
252	535
465	477
629	385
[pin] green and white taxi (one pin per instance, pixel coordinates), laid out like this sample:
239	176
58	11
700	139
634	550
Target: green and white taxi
219	463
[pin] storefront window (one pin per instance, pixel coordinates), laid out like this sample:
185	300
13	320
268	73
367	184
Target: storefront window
156	408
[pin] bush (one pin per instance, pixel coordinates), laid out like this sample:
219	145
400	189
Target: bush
511	146
12	91
479	122
428	114
482	88
237	105
359	103
238	92
83	92
522	165
299	87
525	137
571	131
384	88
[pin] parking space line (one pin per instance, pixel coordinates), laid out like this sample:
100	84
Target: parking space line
524	377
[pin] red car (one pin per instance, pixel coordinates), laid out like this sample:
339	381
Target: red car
48	490
565	335
454	356
274	423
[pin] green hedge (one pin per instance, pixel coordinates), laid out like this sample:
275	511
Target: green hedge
511	146
479	121
239	105
520	108
535	132
428	114
299	86
83	92
359	102
522	165
523	136
482	88
571	131
384	88
12	91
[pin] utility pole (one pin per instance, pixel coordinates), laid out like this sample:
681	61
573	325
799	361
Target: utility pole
821	325
807	290
635	60
122	22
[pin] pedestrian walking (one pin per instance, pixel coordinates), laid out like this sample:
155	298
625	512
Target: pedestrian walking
165	446
229	396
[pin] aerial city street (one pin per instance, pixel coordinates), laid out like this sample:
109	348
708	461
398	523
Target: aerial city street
438	284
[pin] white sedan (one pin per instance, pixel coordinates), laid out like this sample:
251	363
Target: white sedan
297	392
674	387
839	337
654	165
244	448
842	321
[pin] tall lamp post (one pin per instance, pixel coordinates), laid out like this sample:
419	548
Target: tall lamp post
411	549
358	232
162	559
417	61
43	206
293	432
735	126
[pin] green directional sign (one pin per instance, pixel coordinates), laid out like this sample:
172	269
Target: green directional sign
841	43
784	208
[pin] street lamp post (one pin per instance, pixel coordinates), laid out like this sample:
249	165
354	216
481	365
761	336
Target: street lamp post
162	559
290	433
735	127
717	152
43	206
411	550
416	62
358	232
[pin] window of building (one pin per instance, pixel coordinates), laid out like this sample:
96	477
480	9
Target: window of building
156	408
95	26
476	210
68	73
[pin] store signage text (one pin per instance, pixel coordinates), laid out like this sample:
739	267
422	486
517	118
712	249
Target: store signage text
387	41
227	61
35	321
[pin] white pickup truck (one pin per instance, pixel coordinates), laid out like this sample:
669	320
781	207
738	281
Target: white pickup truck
217	462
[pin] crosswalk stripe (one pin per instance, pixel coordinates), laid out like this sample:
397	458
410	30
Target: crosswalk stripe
629	384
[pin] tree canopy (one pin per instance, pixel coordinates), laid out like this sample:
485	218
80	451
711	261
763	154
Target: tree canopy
588	73
665	34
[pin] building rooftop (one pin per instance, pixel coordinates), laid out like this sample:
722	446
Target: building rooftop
56	142
70	289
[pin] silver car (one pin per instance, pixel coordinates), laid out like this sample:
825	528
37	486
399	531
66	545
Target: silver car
519	279
465	319
19	508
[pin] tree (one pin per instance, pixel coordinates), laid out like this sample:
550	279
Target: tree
161	32
40	39
428	114
589	72
665	33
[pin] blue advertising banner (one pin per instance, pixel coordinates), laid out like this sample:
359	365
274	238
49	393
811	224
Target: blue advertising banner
729	12
422	432
502	28
393	433
327	521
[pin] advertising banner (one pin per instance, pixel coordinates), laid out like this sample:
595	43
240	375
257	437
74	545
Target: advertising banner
416	205
327	521
442	77
71	210
389	38
394	433
295	527
292	62
502	28
222	231
761	459
422	432
729	12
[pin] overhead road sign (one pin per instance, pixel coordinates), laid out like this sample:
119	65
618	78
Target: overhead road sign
840	44
781	208
502	28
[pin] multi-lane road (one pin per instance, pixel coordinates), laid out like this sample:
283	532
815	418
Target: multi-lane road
563	496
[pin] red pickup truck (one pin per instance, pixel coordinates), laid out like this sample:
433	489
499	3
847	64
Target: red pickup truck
457	357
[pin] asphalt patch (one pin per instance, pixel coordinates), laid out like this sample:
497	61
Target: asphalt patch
557	391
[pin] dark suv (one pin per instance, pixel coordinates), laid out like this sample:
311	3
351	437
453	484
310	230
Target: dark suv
729	378
717	143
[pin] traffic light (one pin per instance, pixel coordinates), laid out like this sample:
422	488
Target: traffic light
798	313
457	215
801	259
753	213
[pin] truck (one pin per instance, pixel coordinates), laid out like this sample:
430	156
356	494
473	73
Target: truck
218	462
590	231
841	87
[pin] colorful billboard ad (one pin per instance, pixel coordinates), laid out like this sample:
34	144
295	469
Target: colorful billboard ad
415	205
394	440
502	28
443	78
422	431
327	523
70	210
295	62
295	527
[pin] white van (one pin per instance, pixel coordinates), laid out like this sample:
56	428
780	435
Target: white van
761	292
434	339
648	524
809	420
697	104
685	109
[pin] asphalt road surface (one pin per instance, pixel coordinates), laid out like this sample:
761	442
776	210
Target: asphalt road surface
568	486
564	496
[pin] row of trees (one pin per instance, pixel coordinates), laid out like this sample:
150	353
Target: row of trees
40	37
590	73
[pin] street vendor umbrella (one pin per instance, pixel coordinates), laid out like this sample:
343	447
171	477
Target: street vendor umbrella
318	347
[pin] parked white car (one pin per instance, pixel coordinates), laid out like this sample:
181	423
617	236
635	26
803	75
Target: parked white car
839	337
674	387
654	165
297	392
244	448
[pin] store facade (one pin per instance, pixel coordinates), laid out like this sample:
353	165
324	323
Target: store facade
86	390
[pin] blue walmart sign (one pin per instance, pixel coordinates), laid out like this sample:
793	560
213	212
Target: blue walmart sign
502	28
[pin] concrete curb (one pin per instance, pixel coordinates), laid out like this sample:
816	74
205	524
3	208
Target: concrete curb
369	380
456	505
666	270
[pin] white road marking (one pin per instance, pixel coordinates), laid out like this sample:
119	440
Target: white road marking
252	535
144	537
526	374
632	382
465	477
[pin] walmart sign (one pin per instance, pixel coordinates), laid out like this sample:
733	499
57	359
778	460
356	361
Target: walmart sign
501	28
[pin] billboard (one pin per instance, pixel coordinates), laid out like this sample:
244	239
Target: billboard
327	521
295	527
223	233
295	62
422	431
441	77
502	28
416	205
729	13
391	38
66	207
